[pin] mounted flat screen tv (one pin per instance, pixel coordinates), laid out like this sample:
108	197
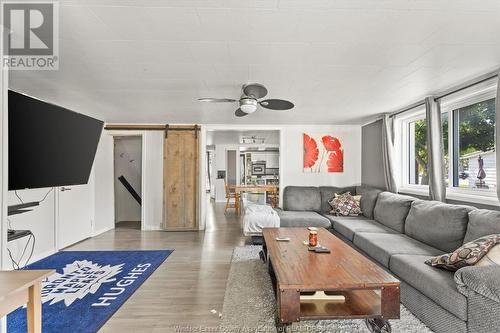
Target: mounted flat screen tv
49	145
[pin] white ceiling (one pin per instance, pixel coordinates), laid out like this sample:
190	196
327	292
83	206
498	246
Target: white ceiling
339	61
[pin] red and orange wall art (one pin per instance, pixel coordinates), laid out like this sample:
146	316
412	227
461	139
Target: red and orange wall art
323	153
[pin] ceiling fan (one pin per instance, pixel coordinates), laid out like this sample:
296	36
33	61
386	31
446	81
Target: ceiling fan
249	100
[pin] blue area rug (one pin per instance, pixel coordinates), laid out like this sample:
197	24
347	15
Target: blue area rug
88	287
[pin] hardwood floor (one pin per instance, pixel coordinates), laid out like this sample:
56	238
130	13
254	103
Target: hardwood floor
187	286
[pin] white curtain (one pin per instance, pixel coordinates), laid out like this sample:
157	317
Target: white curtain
435	154
388	153
497	135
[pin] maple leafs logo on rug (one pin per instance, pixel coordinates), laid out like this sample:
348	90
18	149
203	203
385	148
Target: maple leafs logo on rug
77	280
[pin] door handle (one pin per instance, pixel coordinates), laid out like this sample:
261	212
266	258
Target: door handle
63	189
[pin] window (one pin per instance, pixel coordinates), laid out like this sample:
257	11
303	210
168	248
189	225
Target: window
468	128
417	149
474	146
417	141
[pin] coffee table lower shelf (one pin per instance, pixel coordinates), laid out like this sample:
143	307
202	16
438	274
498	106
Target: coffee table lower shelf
364	303
357	304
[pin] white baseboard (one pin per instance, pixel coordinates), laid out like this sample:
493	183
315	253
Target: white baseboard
42	255
38	256
153	228
3	324
103	230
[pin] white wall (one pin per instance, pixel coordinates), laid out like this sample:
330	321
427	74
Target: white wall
41	221
221	165
3	161
221	155
3	167
104	216
152	193
128	160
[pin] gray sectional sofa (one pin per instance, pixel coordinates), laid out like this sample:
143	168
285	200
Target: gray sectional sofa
401	232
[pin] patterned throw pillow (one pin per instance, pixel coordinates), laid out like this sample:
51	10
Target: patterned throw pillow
345	205
468	254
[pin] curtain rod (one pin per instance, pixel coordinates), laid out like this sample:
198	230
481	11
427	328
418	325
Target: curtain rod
448	92
408	108
468	85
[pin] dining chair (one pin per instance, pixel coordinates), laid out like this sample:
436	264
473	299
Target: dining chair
232	199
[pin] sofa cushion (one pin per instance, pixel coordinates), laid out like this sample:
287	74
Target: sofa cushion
437	284
328	193
382	246
369	197
391	210
303	219
482	222
302	198
349	226
437	224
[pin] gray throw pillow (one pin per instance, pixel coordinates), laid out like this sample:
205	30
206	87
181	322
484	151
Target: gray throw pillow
482	222
369	197
437	224
391	210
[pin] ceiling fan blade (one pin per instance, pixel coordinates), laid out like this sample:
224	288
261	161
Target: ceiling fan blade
276	104
240	113
217	100
254	90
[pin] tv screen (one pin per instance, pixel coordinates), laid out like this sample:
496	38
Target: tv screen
49	145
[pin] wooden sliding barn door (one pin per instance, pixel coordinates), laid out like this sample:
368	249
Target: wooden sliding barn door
180	176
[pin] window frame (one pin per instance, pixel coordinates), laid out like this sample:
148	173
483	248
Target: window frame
451	104
469	96
402	124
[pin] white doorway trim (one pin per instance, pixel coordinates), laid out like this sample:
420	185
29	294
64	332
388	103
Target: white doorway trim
144	205
203	162
4	155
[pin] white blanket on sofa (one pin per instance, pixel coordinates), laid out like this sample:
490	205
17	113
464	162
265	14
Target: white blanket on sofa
258	217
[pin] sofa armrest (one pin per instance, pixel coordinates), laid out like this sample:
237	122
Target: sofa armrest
484	281
481	286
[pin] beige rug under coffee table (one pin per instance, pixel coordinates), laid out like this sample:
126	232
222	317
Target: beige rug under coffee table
358	287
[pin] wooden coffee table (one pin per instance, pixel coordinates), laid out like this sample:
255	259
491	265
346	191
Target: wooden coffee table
345	284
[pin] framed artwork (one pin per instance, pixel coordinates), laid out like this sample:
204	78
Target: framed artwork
323	153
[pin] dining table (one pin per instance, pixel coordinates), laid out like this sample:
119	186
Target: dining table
273	189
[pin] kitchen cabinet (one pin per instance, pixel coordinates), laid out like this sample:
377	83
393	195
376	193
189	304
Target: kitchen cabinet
271	158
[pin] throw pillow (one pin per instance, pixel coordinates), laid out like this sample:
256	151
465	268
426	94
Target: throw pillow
355	197
467	255
346	205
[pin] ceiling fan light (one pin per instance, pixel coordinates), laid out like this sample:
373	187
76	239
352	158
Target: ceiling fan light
248	108
248	105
